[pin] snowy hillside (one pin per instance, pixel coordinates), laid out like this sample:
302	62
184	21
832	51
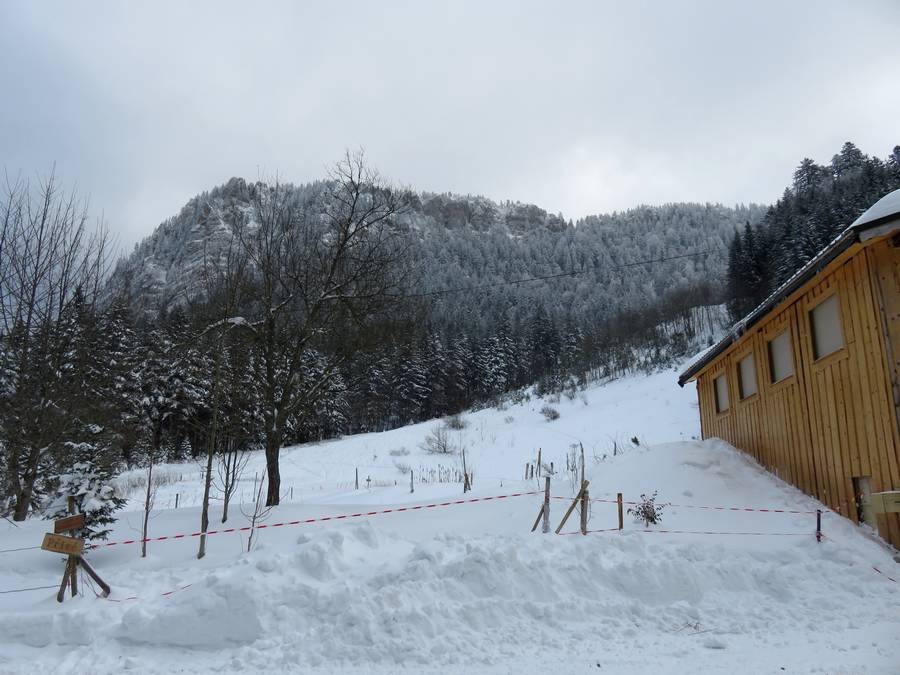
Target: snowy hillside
466	587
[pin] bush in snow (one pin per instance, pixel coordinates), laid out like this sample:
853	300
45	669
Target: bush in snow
90	484
455	422
550	413
438	442
647	510
399	452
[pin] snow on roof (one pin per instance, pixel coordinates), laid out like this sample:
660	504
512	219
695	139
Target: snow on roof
887	206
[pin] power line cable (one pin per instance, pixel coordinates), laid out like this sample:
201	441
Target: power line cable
558	275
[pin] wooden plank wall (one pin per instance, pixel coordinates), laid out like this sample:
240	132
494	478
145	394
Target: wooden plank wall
835	417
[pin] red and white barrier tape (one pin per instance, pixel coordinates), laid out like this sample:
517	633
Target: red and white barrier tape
751	534
707	508
134	597
884	575
306	521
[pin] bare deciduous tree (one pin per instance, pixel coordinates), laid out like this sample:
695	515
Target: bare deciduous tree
316	278
48	255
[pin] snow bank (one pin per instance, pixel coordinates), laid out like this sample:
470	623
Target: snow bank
468	588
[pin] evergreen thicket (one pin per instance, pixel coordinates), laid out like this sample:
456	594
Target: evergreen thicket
821	202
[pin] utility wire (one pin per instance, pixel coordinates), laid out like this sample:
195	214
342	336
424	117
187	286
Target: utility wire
24	548
558	275
33	588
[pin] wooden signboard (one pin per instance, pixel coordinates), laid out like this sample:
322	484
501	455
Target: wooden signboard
75	522
57	543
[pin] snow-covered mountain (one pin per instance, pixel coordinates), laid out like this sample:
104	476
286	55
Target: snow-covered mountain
474	240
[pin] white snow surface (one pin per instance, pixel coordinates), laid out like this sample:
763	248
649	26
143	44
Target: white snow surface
468	588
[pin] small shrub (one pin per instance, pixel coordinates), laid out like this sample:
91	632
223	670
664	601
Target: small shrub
509	419
635	440
647	510
438	442
550	413
399	452
402	467
455	422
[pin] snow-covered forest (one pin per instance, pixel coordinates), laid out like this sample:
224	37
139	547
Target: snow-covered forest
821	202
269	314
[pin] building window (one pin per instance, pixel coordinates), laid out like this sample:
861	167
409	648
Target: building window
720	384
825	321
781	360
746	372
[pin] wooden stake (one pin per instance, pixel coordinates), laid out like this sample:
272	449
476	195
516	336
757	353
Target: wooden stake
571	508
176	500
582	463
546	526
411	488
619	504
526	470
60	596
819	525
357	479
465	473
539	463
538	519
104	587
585	504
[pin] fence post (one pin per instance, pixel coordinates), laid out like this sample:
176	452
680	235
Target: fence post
545	528
356	483
585	503
176	500
539	463
619	503
411	488
526	470
819	525
582	463
584	486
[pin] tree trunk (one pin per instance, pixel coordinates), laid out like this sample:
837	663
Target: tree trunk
23	499
273	446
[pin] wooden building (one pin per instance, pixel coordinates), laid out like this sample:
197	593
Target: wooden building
808	382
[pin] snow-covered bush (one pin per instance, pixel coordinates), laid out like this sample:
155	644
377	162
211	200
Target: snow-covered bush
90	484
455	422
399	452
550	413
647	511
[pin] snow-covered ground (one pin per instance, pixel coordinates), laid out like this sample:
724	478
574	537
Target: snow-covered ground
468	587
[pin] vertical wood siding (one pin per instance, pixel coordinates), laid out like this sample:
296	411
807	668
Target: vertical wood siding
836	417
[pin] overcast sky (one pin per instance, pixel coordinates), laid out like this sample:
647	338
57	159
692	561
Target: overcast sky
578	107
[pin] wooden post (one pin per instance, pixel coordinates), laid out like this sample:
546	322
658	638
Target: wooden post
60	596
539	463
465	474
71	564
819	525
292	493
584	486
538	519
585	504
582	463
104	587
176	500
411	488
546	526
526	471
357	479
619	504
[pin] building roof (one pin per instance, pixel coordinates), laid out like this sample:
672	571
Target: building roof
881	217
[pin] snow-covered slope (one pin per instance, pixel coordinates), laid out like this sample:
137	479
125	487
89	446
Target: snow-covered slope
467	587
